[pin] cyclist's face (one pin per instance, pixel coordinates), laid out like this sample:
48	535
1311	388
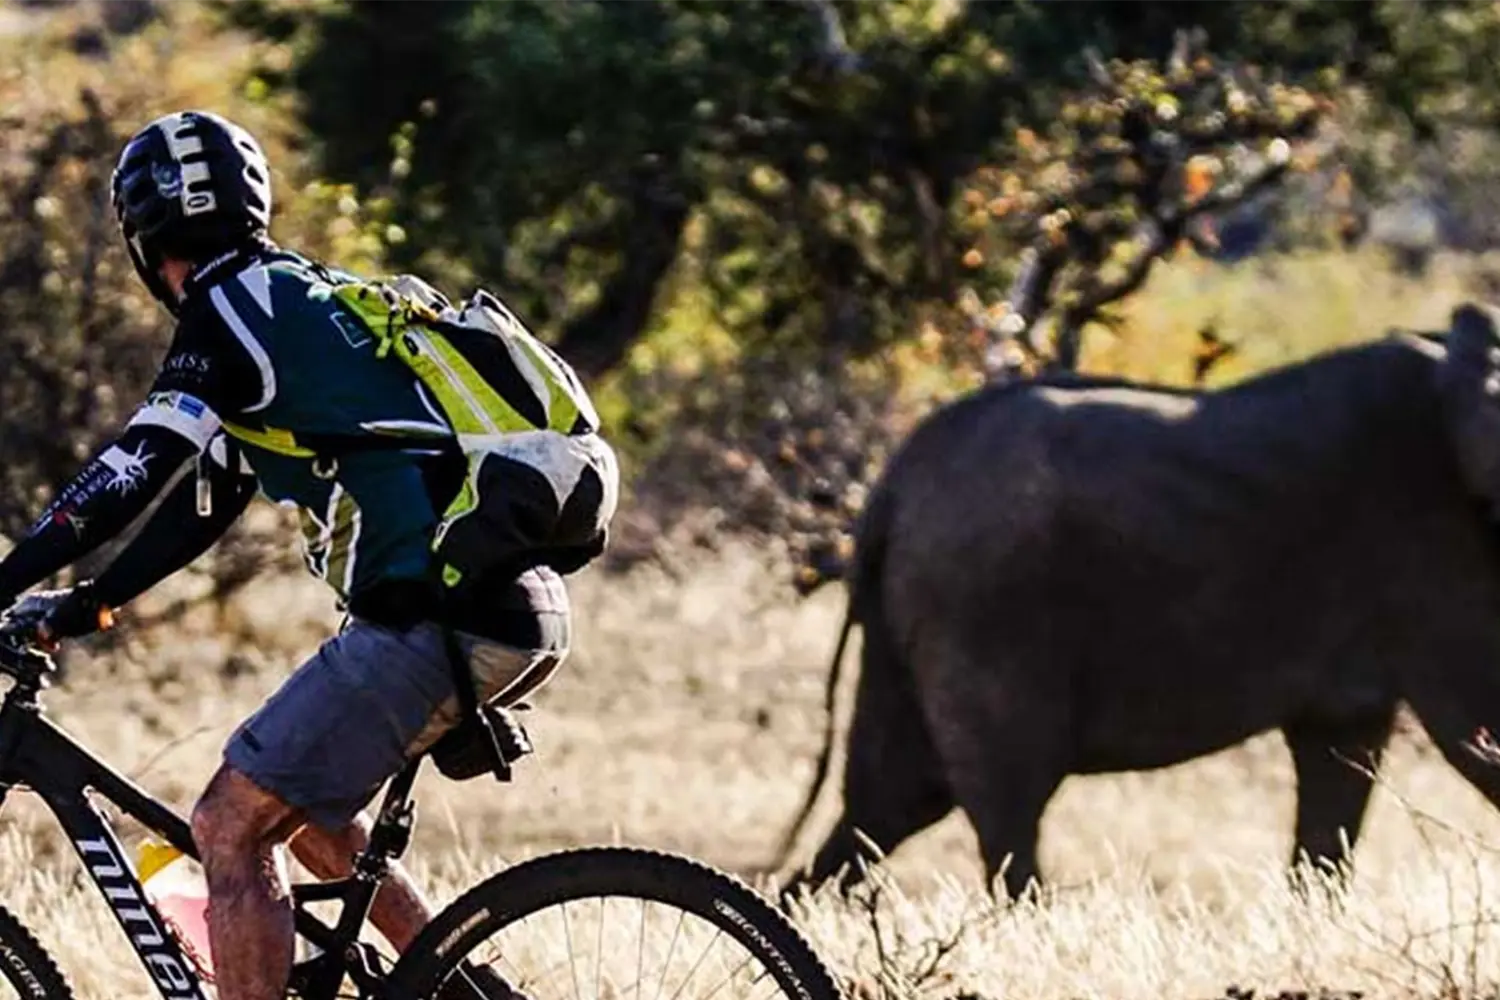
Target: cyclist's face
174	272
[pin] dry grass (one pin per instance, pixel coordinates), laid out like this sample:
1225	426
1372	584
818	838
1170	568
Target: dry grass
687	720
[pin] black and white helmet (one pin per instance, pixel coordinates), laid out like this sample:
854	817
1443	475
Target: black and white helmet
190	185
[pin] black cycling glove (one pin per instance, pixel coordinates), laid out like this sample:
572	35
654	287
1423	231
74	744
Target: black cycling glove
60	614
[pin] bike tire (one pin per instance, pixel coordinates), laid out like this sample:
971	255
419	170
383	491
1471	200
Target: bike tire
26	965
691	886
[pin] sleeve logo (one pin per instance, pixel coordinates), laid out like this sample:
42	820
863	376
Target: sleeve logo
188	362
181	402
128	468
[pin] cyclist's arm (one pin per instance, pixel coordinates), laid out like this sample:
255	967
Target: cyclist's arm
178	532
206	372
111	492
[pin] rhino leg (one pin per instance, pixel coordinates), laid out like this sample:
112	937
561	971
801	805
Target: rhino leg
1333	758
893	781
1455	717
1005	750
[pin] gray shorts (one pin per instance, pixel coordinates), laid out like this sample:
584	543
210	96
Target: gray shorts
369	700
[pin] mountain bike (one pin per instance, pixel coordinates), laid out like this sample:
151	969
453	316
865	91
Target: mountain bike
588	908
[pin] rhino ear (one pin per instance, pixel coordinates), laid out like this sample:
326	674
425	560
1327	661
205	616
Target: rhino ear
1473	344
1469	382
1473	321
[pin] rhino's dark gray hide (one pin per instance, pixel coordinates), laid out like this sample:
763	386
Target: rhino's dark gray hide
1080	576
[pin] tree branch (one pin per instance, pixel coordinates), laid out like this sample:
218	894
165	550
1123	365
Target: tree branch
1155	238
597	341
1132	162
1236	192
834	46
1030	296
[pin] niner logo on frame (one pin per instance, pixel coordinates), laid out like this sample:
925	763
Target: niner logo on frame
157	949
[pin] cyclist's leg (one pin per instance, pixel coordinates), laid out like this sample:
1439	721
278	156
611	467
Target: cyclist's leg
318	751
315	753
237	826
400	910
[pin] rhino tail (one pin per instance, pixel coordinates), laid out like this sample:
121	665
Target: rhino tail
863	586
793	836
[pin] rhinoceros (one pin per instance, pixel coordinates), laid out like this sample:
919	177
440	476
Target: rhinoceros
1078	575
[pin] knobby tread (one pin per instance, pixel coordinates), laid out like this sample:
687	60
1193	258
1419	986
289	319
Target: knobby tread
581	873
27	965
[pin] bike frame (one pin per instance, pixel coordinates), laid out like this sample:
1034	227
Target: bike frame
37	754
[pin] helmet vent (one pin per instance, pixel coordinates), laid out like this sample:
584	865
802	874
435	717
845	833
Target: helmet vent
189	184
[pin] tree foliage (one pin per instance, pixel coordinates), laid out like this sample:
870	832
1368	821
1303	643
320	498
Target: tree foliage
1117	183
839	180
1135	155
569	149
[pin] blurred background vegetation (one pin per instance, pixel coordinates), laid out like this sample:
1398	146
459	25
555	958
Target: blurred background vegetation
771	234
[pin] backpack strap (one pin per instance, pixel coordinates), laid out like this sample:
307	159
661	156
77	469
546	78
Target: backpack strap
332	446
326	449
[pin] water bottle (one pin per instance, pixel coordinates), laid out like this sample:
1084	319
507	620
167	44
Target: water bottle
174	883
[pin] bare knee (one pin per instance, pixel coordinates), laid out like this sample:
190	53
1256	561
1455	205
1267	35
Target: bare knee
330	854
236	820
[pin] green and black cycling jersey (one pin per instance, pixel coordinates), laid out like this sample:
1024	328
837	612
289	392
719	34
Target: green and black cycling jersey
263	349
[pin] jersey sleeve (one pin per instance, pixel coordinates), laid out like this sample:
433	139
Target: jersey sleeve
214	369
103	500
209	371
180	530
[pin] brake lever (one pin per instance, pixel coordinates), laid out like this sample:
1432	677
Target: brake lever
20	631
20	644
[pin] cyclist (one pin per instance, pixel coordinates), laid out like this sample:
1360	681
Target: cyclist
259	344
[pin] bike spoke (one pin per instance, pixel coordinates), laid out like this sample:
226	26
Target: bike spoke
599	952
730	978
718	933
496	955
640	960
671	950
755	983
572	962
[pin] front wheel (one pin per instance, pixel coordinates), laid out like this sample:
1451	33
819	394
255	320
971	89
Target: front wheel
25	967
612	924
